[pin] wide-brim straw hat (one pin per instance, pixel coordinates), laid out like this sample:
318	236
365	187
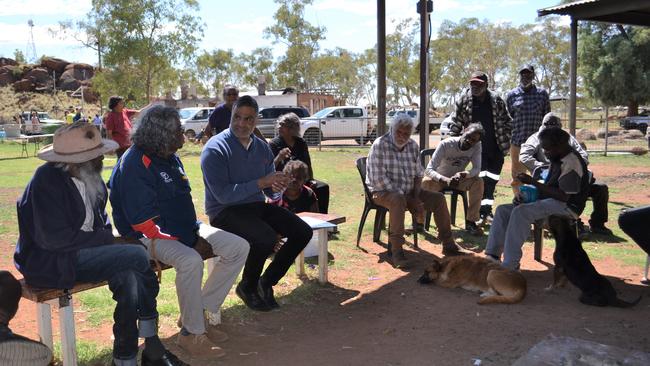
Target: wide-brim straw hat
76	144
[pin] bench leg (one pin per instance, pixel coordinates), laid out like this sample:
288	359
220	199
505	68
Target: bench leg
300	264
322	256
44	321
68	341
647	267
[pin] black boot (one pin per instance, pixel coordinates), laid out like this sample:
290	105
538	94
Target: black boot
266	291
251	298
168	359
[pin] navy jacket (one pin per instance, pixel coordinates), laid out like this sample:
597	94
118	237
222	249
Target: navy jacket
50	215
147	188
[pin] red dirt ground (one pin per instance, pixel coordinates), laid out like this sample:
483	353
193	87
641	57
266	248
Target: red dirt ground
393	320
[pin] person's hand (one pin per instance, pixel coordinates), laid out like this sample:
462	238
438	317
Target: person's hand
276	181
454	181
446	181
284	154
519	199
525	178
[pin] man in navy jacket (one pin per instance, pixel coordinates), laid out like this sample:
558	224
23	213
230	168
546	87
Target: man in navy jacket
65	237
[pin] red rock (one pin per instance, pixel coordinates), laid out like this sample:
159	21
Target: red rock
55	64
39	75
7	61
24	85
69	83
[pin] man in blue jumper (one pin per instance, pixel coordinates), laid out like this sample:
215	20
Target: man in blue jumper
238	172
65	237
151	200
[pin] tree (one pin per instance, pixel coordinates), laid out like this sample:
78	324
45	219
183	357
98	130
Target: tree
19	56
141	41
402	75
615	64
258	63
217	68
301	39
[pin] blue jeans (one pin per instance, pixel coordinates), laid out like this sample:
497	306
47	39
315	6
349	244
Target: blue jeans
134	286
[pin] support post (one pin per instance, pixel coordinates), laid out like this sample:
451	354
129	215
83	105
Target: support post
44	321
322	256
424	63
300	264
573	76
381	67
606	128
66	326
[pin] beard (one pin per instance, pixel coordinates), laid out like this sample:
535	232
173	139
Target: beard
90	174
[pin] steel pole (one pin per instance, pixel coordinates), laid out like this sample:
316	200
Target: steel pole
381	67
573	76
424	63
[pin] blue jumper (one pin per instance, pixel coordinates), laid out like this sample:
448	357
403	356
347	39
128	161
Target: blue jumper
231	172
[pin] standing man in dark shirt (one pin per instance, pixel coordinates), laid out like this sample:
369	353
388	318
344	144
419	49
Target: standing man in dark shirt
480	105
220	117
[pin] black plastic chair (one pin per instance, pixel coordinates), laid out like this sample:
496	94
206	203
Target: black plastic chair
380	214
427	153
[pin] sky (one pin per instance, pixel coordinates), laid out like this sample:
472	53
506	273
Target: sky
239	25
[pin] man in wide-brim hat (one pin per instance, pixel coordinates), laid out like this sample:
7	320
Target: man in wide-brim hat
66	237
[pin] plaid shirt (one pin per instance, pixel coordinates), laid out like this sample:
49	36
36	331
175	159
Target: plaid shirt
527	109
391	170
501	118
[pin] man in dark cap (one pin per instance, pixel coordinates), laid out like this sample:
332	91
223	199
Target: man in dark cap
527	105
480	105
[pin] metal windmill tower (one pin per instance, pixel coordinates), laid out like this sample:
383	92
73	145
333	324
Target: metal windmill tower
30	55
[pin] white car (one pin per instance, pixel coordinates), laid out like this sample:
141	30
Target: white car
444	126
194	120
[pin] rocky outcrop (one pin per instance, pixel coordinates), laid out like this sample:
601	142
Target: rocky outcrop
39	76
584	134
7	61
24	85
54	64
78	71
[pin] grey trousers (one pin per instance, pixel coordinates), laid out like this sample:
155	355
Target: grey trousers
231	250
511	226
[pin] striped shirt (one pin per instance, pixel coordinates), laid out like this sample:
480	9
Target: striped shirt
391	170
527	109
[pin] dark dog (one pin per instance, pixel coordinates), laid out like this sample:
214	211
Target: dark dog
572	263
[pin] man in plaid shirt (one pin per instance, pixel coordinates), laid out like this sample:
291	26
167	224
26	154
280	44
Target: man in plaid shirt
527	105
394	176
480	105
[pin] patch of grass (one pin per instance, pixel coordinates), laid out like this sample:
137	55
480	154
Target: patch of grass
88	353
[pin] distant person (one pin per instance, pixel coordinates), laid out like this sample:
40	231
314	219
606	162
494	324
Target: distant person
479	104
16	349
239	174
78	115
220	118
447	169
527	105
65	237
298	197
97	122
69	115
118	123
289	146
36	123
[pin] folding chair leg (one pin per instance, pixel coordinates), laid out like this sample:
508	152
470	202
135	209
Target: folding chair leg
380	216
427	220
362	222
464	197
454	203
538	239
415	232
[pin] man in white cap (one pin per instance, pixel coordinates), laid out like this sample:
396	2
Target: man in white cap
66	237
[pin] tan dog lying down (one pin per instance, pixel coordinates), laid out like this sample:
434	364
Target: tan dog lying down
496	284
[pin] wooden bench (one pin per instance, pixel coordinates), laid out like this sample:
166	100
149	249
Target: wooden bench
45	298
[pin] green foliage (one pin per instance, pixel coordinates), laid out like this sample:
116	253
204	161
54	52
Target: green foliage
615	63
141	42
19	56
301	39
